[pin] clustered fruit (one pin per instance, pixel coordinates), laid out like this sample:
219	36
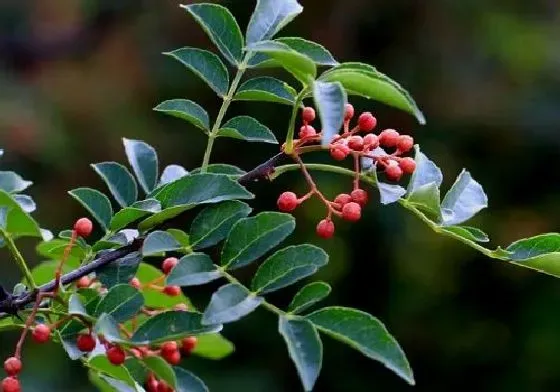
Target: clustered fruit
357	142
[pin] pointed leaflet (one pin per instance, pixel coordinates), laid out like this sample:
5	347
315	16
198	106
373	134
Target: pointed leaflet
75	306
159	241
11	182
247	128
181	237
266	89
470	233
465	198
330	99
122	302
305	348
313	50
309	295
366	334
221	27
19	223
269	17
186	110
119	271
206	65
213	346
222	168
426	171
26	203
143	159
250	238
541	252
96	203
188	382
119	180
172	173
161	369
288	266
426	198
193	270
136	211
230	303
213	223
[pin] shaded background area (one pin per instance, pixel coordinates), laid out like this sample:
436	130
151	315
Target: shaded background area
77	75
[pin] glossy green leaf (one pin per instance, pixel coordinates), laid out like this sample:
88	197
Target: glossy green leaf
222	28
131	214
159	241
299	65
426	198
163	216
161	369
44	272
213	346
181	237
248	129
75	306
107	327
222	168
119	181
465	198
144	162
213	223
330	99
54	249
188	382
172	325
288	266
250	238
97	204
206	65
316	52
426	172
186	110
101	364
11	182
230	303
305	348
309	295
115	385
364	333
26	203
470	233
192	270
172	173
19	223
119	271
269	17
266	89
122	302
153	298
541	253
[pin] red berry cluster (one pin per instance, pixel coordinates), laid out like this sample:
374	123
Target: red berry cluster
357	142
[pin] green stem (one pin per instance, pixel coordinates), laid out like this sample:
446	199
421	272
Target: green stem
223	109
289	146
20	261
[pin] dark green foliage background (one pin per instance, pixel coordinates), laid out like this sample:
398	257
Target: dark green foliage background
485	74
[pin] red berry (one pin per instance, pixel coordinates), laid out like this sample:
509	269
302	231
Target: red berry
287	201
168	264
188	344
11	384
163	387
408	165
116	355
405	143
351	212
307	131
172	357
152	385
84	282
359	196
356	143
172	291
367	122
342	199
83	227
325	228
339	152
393	171
134	282
388	138
348	112
12	366
169	347
371	141
308	114
41	333
181	307
86	343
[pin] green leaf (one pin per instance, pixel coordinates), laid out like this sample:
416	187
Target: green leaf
172	173
101	364
107	327
193	270
305	348
153	298
11	182
222	168
26	203
172	325
201	189
186	110
288	266
541	252
137	369
119	181
266	89
250	238
330	99
117	385
54	249
299	65
213	223
76	307
159	241
309	295
206	65
465	198
247	128
97	204
470	233
426	172
181	237
269	17
44	272
122	302
230	303
119	271
188	382
143	159
19	223
426	198
221	27
313	50
364	333
163	216
131	214
213	346
161	369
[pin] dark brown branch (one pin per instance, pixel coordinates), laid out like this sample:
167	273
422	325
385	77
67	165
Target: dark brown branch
263	170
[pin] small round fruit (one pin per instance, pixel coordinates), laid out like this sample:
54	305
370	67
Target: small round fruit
287	201
116	355
308	114
342	199
388	138
172	357
359	196
83	227
393	172
371	141
86	343
348	112
405	143
84	282
172	291
41	333
135	282
339	152
168	264
12	366
169	347
11	384
408	165
325	228
351	212
307	131
152	385
366	122
356	143
163	387
188	344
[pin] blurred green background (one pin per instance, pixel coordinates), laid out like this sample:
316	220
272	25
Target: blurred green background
77	75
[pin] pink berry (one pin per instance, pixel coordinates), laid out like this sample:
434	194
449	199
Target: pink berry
134	282
366	122
86	343
287	201
325	228
359	196
172	357
84	282
356	143
351	212
348	112
393	171
371	141
11	384
172	291
388	138
342	199
308	114
188	344
307	131
169	347
339	152
168	264
408	165
405	143
12	366
41	333
83	227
